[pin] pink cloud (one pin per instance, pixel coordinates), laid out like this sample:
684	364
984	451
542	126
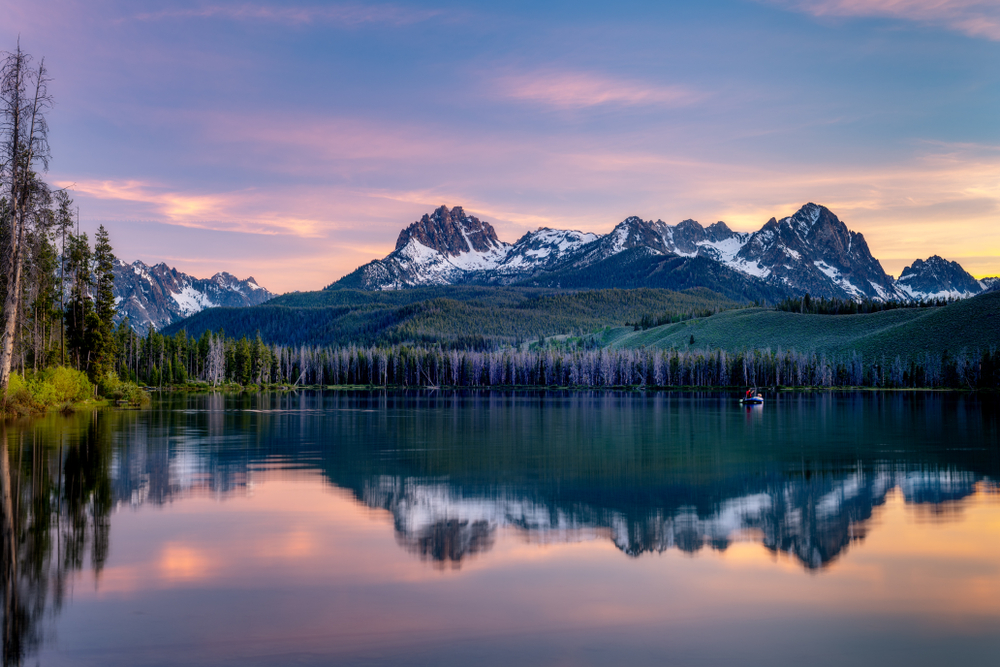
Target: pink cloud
346	14
243	212
976	18
358	182
579	90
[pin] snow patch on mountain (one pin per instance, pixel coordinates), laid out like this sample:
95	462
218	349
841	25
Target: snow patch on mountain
811	251
160	295
937	278
191	301
537	250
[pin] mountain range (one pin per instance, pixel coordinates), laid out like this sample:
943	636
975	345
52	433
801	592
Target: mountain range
811	251
160	295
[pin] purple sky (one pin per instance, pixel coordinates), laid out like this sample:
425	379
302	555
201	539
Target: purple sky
292	141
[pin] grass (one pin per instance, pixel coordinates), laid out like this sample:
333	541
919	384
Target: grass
970	324
461	316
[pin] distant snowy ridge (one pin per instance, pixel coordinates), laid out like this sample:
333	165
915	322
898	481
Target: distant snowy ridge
811	251
160	295
937	278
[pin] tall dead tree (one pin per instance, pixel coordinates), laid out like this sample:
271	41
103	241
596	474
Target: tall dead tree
24	99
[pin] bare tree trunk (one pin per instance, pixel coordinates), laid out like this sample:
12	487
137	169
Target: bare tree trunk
24	137
10	308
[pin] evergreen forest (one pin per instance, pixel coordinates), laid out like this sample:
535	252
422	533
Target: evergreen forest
58	307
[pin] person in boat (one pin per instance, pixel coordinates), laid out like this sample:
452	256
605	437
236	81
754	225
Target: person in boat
749	394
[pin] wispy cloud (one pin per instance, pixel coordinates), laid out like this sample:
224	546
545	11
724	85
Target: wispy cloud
576	90
343	14
343	201
976	18
232	212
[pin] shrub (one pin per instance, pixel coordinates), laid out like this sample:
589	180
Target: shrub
45	389
44	393
110	386
18	399
68	384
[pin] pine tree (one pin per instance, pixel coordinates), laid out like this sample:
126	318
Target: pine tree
63	227
42	298
80	306
104	305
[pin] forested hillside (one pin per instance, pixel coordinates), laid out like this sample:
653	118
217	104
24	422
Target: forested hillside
471	317
636	267
970	324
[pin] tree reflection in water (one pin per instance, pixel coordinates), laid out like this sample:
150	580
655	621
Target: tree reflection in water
651	472
449	541
56	504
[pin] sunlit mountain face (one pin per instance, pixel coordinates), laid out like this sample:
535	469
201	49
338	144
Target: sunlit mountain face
810	252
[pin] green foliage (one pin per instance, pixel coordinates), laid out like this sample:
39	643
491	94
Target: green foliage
101	325
68	384
824	306
80	306
110	386
456	317
909	333
46	389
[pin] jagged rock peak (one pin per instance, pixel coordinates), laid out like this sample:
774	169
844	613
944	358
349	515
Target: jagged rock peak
937	278
719	231
450	232
934	264
813	217
634	232
689	224
160	295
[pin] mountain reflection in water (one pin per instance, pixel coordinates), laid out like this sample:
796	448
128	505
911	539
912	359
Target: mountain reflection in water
814	520
653	472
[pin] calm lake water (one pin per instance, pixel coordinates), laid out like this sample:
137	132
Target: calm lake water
431	528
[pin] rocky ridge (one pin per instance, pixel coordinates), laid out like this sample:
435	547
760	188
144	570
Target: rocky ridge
811	251
160	295
937	278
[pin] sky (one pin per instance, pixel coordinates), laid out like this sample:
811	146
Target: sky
293	141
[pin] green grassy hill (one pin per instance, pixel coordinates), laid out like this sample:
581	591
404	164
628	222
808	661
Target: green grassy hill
467	316
970	324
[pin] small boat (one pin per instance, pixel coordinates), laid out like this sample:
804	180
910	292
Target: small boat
752	398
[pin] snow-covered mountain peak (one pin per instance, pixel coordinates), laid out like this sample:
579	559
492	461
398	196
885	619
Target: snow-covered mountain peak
451	233
542	248
937	278
811	251
634	232
159	295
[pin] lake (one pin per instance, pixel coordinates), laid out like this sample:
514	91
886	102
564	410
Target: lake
499	528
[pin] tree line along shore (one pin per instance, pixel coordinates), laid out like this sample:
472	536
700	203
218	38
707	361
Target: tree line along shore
59	344
214	360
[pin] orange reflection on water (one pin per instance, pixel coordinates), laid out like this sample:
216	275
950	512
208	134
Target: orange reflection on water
179	562
336	572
